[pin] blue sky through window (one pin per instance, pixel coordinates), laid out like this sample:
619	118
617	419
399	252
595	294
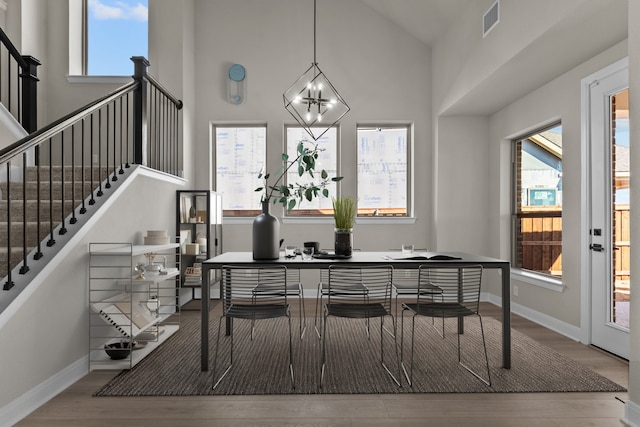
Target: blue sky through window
117	30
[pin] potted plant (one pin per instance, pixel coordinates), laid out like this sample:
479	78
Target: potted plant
266	227
344	214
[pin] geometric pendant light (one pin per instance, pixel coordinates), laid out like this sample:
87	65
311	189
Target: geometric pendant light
312	100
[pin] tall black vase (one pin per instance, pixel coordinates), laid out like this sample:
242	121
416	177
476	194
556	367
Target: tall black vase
266	235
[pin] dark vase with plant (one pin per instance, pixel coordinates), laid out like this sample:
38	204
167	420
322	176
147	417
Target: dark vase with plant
266	227
344	214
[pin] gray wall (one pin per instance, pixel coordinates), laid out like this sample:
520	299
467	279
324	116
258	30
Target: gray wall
382	72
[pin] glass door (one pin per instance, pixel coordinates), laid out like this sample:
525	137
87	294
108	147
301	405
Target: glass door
609	239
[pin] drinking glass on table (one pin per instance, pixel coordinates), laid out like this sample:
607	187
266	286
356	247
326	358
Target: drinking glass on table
290	251
407	248
307	253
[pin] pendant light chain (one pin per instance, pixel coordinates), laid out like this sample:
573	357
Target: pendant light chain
314	33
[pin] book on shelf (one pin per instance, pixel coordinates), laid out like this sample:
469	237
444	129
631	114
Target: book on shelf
130	319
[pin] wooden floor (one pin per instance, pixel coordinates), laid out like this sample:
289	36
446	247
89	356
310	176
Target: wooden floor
77	407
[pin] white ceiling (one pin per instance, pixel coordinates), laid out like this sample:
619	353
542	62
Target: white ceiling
424	19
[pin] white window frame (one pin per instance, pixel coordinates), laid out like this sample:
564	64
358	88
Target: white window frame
522	274
334	187
408	218
244	213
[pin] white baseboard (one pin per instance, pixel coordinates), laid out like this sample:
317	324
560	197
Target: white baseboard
631	414
41	394
569	331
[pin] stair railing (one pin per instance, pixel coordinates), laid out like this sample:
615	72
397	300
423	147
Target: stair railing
135	124
18	83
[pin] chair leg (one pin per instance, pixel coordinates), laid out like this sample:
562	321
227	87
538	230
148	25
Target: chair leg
407	375
303	314
323	355
384	365
215	360
486	357
317	315
293	381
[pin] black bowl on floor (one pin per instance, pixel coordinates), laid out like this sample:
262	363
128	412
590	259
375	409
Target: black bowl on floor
118	350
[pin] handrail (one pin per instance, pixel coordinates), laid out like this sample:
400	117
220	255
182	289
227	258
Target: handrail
165	92
55	127
12	49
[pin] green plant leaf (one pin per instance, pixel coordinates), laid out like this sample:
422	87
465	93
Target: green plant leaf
309	194
337	178
259	189
300	170
325	192
285	157
292	204
324	174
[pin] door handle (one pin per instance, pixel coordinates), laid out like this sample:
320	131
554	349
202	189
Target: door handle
596	247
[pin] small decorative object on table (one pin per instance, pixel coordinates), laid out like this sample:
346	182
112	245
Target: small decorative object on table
344	214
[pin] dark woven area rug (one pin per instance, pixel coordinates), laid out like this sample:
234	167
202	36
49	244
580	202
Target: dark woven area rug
261	366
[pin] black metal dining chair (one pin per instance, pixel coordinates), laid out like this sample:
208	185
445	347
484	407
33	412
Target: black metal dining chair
449	293
359	293
253	293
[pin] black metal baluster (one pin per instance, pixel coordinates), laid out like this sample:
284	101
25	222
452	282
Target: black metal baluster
92	201
38	253
9	283
128	165
99	193
63	222
83	209
73	219
121	138
51	240
25	267
107	184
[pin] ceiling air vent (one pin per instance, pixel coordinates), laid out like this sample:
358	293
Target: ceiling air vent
491	18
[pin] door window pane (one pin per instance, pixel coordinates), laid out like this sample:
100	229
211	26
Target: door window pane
621	212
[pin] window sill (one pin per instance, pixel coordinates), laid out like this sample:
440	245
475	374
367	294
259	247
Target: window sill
325	220
537	280
98	79
365	220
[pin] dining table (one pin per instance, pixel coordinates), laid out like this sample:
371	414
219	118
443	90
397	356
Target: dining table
358	258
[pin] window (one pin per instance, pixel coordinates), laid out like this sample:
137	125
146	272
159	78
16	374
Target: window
384	180
240	155
116	30
328	160
538	202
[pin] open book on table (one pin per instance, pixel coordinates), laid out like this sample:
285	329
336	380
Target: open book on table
427	256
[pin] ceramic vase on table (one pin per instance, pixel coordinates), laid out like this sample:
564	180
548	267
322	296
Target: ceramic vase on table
343	242
266	235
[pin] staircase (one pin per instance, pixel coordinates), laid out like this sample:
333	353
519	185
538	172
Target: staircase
56	200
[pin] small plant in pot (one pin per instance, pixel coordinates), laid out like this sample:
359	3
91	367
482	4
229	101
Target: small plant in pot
344	214
266	227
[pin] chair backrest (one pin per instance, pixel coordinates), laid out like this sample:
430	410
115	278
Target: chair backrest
360	285
242	285
450	285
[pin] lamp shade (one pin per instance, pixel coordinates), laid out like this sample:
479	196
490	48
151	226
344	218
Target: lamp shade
314	102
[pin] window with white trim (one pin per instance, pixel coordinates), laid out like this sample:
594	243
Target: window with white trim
384	170
327	160
113	31
240	156
537	208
